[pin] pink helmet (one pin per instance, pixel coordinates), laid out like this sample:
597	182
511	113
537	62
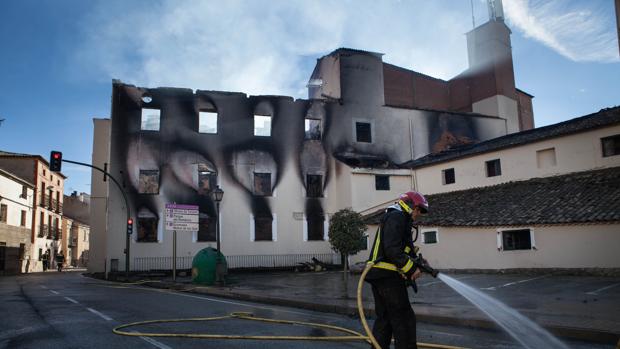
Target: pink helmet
413	199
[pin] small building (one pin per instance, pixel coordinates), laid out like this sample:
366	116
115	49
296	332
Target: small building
76	227
16	198
46	216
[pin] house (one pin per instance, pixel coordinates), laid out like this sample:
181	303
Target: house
16	198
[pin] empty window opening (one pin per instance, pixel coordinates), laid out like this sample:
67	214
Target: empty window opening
494	168
262	184
207	122
516	240
611	145
149	182
262	228
24	192
362	132
312	129
382	182
147	227
545	158
206	227
262	125
447	176
430	237
207	181
150	119
23	219
316	227
314	186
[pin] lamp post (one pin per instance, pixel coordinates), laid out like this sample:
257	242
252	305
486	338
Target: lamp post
220	268
218	194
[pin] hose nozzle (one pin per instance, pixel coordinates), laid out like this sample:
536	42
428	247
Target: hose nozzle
423	265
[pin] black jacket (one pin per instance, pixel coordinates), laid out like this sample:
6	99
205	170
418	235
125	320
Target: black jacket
394	238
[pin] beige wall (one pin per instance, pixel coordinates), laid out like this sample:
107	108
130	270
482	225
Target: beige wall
572	246
98	201
501	106
573	153
364	196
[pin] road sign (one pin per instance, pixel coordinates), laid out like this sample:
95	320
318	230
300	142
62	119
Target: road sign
181	217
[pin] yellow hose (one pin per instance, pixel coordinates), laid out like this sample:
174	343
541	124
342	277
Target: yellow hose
351	335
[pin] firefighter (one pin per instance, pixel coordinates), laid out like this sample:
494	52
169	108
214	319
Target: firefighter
393	253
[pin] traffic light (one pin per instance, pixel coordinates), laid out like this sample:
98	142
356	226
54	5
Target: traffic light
55	161
129	226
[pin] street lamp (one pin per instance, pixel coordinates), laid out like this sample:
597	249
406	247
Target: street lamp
220	268
218	194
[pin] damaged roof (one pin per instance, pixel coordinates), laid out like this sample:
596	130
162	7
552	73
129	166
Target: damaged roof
577	198
605	117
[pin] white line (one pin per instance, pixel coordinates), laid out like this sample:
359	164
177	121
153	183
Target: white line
160	345
54	292
512	283
43	286
72	300
105	317
602	289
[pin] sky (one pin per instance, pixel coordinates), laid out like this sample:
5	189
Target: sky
58	57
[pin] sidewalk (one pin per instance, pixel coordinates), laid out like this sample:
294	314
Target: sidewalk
566	306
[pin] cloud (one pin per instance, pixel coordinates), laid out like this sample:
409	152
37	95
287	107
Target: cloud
261	47
579	31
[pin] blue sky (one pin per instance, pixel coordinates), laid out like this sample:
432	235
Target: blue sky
59	57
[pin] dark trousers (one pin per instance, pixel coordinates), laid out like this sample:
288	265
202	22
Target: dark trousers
394	314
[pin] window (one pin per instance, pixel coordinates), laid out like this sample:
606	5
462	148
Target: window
44	173
611	145
447	176
150	119
207	122
382	182
545	158
262	184
262	228
494	168
362	132
3	213
314	185
364	243
262	125
24	192
147	229
149	182
207	181
312	129
40	253
207	228
516	240
316	227
430	237
23	220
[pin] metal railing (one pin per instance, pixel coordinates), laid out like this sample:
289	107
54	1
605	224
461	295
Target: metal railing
236	262
160	263
43	230
57	234
44	200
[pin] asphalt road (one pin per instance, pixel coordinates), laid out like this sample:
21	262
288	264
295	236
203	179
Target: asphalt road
67	310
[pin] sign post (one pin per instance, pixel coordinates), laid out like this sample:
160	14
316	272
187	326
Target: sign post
180	218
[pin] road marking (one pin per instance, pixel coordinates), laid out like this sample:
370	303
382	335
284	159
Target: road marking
493	288
602	289
105	317
54	292
45	287
72	300
160	345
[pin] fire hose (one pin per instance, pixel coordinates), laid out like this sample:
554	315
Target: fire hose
351	335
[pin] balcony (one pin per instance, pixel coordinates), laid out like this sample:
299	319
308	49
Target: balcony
57	233
43	230
53	205
73	242
44	200
59	208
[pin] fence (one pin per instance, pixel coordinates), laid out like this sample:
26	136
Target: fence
236	262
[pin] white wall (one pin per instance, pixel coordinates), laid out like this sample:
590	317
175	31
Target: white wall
11	191
576	152
98	244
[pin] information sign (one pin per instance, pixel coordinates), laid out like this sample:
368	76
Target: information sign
181	217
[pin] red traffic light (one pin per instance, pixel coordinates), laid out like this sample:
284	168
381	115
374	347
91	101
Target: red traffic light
130	221
56	155
55	161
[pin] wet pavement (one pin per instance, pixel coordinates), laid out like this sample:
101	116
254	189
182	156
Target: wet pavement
578	307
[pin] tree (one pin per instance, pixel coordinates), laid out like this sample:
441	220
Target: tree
346	231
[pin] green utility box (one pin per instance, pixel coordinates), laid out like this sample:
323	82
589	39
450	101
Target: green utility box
208	265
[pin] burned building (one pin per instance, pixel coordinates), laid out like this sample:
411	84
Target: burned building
285	164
